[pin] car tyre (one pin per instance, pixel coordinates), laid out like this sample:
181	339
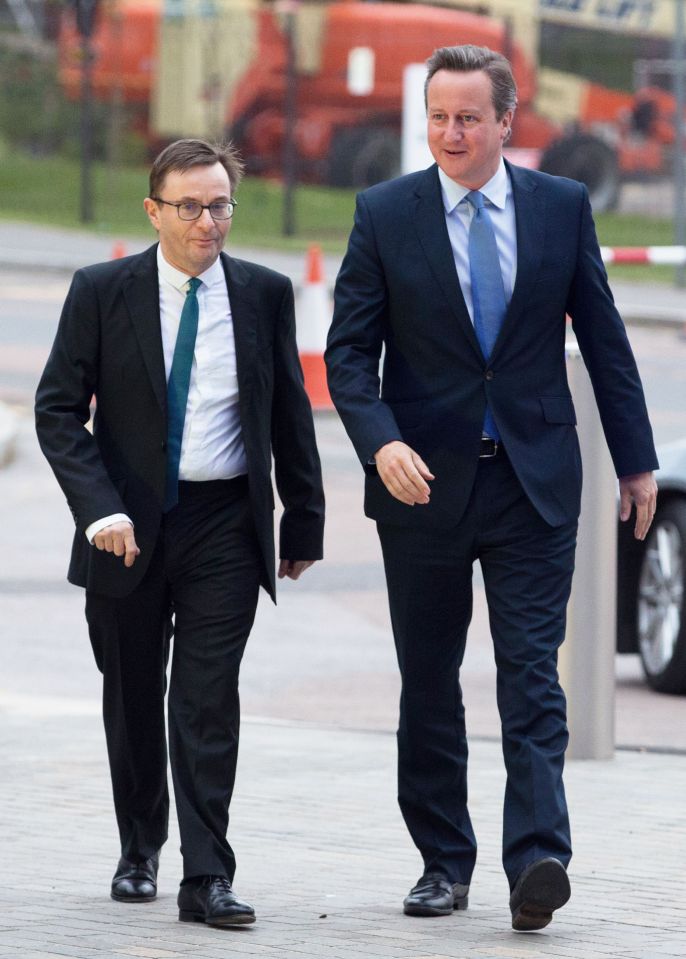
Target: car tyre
591	161
362	157
660	598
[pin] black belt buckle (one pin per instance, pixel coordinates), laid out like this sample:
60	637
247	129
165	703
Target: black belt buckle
489	448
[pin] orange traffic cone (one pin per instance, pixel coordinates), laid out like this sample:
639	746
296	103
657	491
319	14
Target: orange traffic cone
118	251
313	312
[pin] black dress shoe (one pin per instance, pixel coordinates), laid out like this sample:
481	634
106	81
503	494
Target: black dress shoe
434	895
135	881
541	889
211	899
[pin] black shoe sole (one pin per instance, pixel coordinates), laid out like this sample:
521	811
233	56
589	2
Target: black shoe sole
434	911
132	899
538	893
238	920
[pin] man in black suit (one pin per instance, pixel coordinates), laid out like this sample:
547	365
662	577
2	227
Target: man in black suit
464	272
192	360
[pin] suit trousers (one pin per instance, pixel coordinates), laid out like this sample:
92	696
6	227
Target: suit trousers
527	568
204	575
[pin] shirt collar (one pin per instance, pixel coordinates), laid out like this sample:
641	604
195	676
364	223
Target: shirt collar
495	190
179	280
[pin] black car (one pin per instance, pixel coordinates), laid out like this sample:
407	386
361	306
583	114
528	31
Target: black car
651	581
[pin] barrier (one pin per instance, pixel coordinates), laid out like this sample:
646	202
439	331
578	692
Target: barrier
647	255
118	250
655	255
313	311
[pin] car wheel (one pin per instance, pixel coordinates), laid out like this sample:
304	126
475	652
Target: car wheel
377	159
660	613
591	161
361	158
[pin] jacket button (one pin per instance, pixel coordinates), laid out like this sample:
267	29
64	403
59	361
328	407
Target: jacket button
489	374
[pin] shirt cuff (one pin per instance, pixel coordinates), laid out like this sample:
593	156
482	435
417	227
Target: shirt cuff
105	521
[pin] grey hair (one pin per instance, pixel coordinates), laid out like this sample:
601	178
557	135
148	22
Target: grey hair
468	58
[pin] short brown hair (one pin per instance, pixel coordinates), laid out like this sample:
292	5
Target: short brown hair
182	155
467	58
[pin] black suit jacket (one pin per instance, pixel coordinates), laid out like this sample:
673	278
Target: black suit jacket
109	345
398	287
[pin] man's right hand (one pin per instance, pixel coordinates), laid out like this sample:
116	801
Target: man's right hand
404	473
118	539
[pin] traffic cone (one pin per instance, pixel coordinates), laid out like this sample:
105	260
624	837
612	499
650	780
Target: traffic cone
313	316
118	251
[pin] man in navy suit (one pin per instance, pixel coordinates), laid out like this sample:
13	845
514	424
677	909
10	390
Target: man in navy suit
465	273
192	358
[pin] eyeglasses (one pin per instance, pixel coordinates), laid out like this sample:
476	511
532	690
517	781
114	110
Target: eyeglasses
191	210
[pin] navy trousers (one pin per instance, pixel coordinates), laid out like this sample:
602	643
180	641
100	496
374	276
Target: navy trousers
527	569
204	574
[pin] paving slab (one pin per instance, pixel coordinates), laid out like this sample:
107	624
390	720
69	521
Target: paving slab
324	856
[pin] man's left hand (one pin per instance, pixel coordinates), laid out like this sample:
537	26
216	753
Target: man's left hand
293	567
640	489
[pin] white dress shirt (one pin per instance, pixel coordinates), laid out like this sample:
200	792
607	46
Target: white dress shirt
458	216
212	446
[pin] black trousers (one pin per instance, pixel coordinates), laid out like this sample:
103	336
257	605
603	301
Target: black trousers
527	568
204	575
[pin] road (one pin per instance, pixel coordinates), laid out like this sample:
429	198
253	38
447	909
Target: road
30	306
325	654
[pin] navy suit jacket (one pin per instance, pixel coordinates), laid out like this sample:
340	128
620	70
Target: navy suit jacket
109	344
398	289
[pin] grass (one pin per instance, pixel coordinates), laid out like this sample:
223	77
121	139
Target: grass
615	229
46	190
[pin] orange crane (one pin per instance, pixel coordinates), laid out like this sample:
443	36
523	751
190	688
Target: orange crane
345	139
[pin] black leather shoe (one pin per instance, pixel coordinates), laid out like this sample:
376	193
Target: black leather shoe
434	895
135	881
211	899
541	889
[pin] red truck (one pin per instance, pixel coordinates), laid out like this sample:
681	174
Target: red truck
345	139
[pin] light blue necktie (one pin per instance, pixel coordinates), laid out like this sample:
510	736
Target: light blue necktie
177	389
488	292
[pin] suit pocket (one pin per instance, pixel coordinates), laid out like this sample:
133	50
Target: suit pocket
408	413
558	409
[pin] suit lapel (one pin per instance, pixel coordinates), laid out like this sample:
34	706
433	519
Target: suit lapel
142	297
429	220
529	207
245	318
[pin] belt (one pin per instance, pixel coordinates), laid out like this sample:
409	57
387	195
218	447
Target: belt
489	448
205	488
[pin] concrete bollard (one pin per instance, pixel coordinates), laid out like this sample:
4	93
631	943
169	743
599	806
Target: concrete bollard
587	657
9	426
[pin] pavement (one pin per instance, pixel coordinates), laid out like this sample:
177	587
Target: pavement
324	857
322	850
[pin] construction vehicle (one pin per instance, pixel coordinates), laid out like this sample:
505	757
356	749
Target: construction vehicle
348	139
225	69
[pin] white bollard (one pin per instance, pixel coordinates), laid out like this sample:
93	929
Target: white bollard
587	657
